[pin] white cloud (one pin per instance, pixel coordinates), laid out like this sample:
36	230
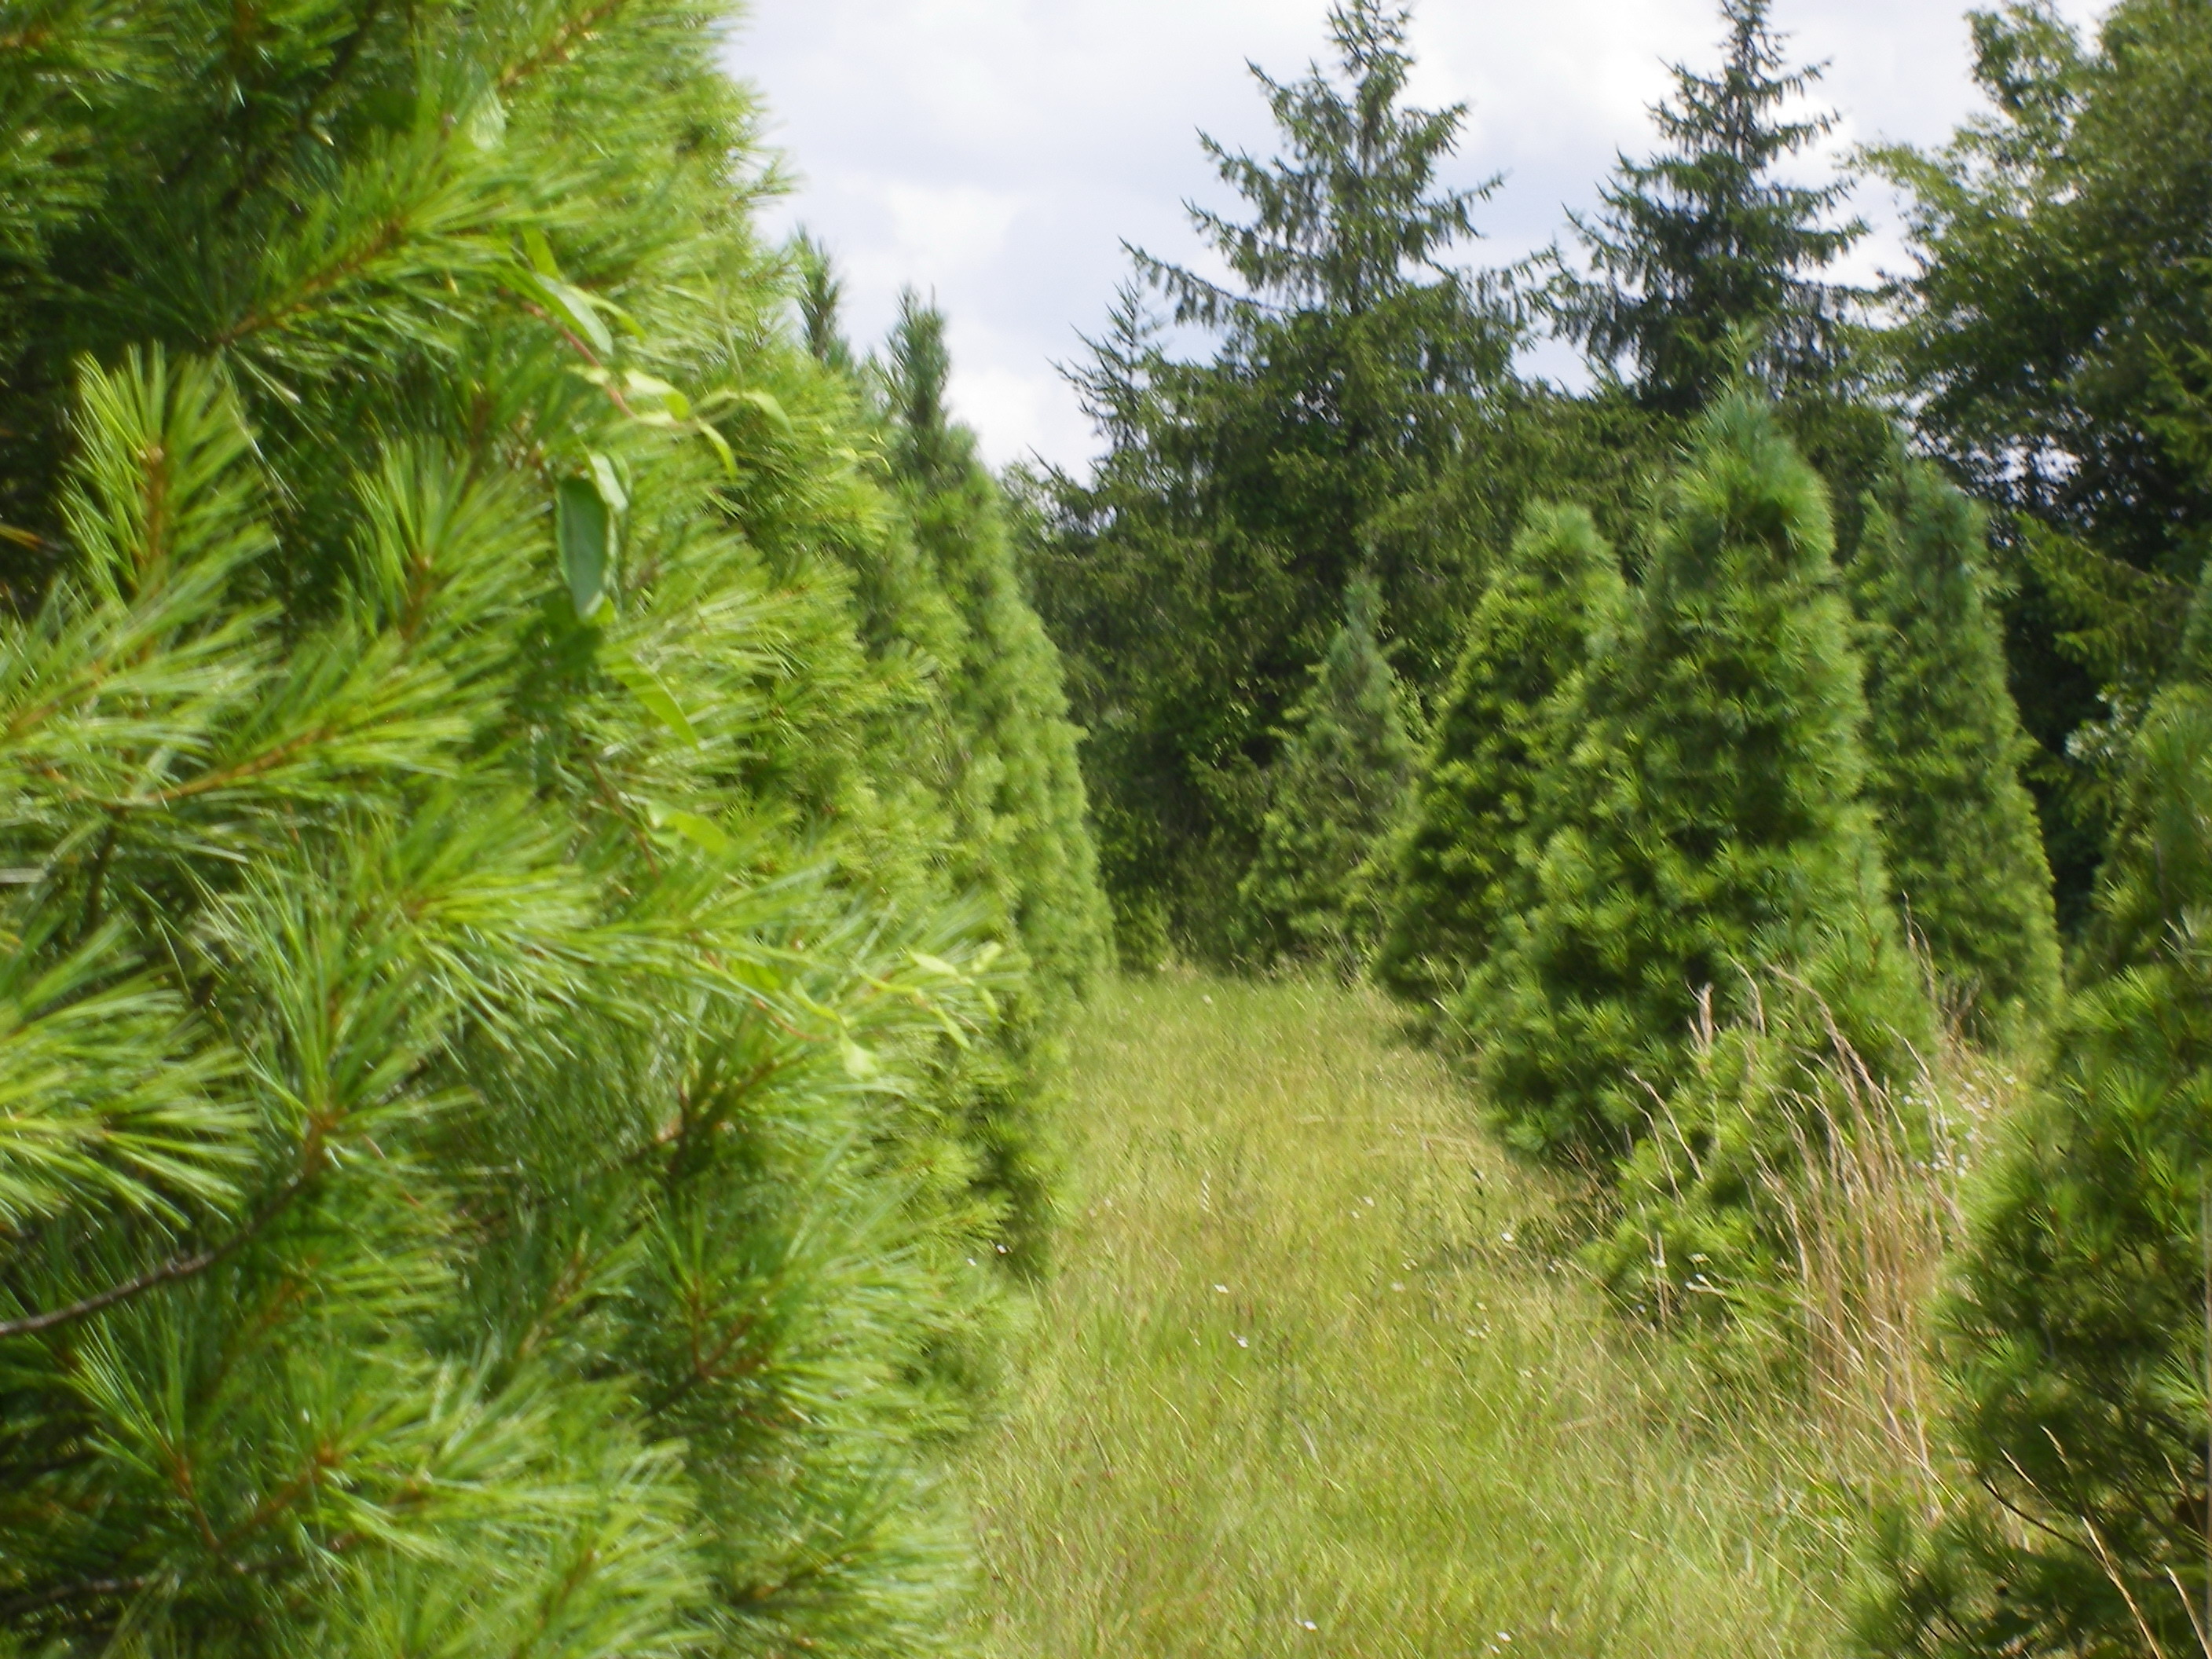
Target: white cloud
996	153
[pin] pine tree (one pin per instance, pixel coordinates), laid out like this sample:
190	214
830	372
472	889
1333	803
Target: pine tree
1015	783
1197	575
1502	726
2076	1331
1701	258
1706	823
1959	833
484	972
821	305
1311	893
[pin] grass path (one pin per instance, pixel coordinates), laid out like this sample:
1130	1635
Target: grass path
1301	1385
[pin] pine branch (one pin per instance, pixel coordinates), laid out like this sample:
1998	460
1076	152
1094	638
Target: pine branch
304	294
557	50
342	61
90	1590
169	1273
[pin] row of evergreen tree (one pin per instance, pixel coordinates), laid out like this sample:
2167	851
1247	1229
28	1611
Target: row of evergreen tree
543	860
1689	749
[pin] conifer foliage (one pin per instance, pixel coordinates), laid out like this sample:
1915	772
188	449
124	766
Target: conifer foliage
1501	728
1197	575
1016	784
2079	1324
1312	895
1945	749
494	942
1707	822
1701	254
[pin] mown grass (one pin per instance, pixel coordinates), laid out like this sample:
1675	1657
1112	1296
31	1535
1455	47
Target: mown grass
1303	1384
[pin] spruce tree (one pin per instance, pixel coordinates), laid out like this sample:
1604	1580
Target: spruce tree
485	960
1311	893
1501	729
2076	1333
1197	575
1701	257
1960	832
1706	824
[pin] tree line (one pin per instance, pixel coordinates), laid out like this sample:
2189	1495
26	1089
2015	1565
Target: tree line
1697	753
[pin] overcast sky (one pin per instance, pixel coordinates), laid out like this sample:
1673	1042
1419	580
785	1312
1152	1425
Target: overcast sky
996	153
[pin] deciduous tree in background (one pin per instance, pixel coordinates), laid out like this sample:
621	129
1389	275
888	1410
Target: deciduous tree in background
2055	336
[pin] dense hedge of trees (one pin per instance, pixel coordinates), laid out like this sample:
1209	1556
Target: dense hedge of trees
543	854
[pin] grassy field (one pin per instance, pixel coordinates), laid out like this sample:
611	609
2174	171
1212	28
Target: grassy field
1303	1384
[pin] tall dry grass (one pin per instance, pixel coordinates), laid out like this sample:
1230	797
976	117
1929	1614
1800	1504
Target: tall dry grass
1303	1384
1869	1198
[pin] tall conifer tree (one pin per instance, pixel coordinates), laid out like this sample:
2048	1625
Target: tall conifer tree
1501	729
1701	254
1960	832
490	941
1312	893
1196	577
2077	1328
1707	822
1015	780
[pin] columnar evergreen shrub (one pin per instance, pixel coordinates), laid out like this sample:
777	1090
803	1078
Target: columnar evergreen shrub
2075	1335
1311	894
1501	727
1945	748
1707	822
487	931
1015	783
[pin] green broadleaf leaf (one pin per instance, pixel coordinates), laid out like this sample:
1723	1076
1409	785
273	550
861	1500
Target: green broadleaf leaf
610	485
652	692
721	447
572	306
766	402
540	251
586	530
